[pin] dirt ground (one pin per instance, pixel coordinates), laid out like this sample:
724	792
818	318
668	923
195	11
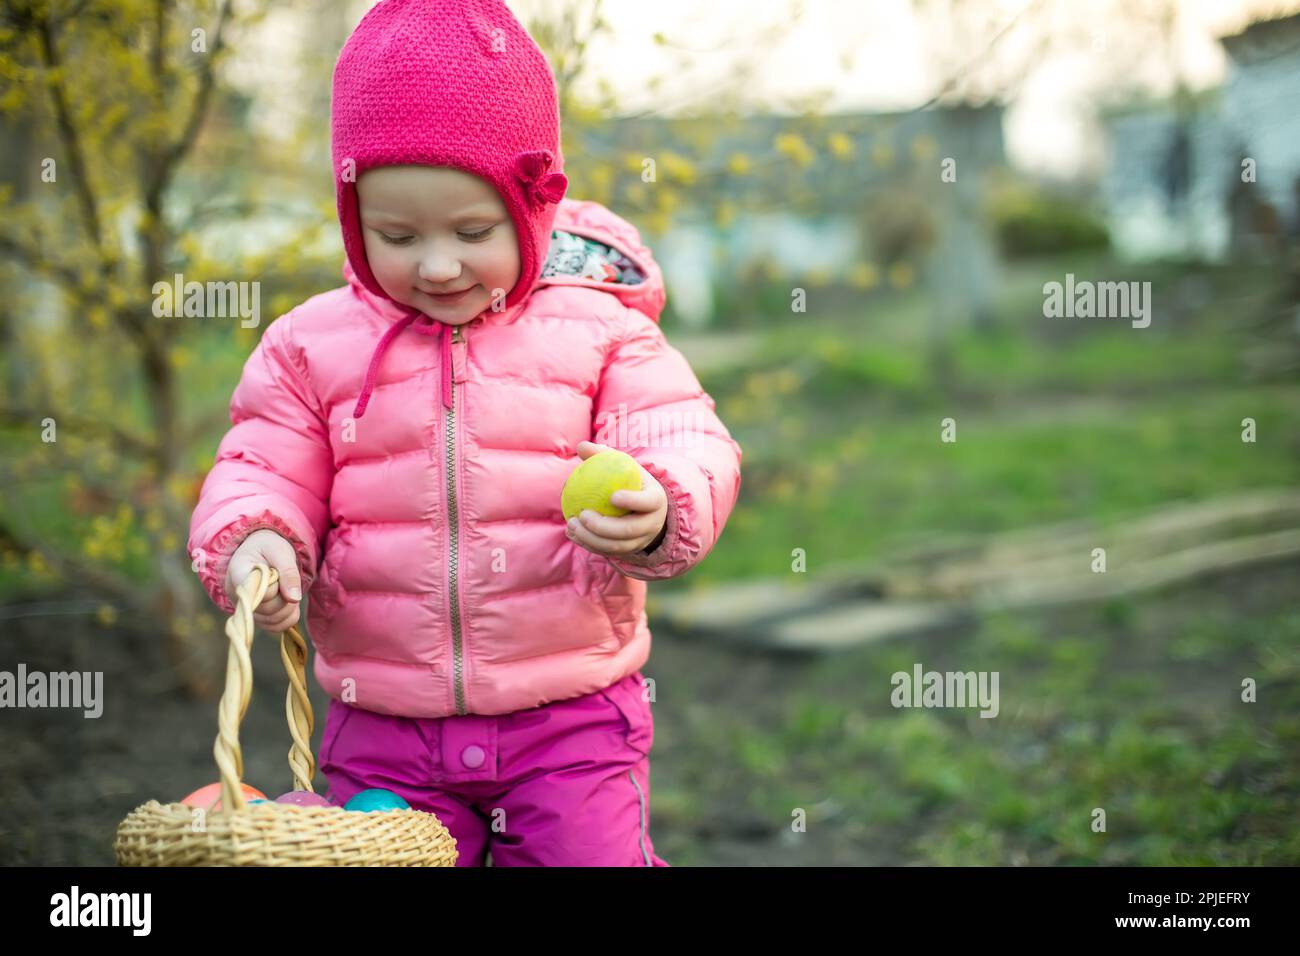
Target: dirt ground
66	781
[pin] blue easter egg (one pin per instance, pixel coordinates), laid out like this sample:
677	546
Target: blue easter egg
376	799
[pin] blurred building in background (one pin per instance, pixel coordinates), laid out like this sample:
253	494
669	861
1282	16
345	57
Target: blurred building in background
1214	174
847	199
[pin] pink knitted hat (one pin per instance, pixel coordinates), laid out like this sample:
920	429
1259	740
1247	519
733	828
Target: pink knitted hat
455	83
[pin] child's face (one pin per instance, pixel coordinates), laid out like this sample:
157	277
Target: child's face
430	229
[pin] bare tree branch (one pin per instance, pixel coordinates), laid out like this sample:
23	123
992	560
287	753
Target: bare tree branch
159	171
67	129
127	317
207	80
84	427
240	209
958	75
35	261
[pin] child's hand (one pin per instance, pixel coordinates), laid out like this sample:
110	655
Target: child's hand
626	534
276	613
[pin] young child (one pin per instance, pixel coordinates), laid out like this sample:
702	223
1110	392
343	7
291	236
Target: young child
399	446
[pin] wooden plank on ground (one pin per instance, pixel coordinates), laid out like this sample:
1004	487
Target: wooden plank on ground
930	586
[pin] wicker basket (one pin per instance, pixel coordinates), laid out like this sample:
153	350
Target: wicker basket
274	834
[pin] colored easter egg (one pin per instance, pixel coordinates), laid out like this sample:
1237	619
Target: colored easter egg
303	798
205	796
376	799
593	482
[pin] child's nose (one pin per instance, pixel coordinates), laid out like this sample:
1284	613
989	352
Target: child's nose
438	267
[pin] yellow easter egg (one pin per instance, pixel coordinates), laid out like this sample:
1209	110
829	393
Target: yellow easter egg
592	483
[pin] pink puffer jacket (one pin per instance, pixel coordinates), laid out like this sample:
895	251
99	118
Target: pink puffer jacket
439	577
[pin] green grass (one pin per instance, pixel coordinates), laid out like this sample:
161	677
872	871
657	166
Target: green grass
1186	772
1105	360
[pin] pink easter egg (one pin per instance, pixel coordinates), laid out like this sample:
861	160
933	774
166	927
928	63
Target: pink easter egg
303	798
204	796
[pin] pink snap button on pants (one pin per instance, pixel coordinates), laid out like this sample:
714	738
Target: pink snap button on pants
564	784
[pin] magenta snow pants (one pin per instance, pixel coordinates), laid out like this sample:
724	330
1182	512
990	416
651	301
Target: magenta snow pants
564	784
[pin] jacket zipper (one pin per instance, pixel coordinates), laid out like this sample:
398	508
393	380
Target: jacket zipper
454	520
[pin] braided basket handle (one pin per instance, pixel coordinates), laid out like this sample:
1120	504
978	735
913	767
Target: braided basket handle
239	688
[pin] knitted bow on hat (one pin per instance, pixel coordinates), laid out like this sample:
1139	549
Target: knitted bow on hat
541	186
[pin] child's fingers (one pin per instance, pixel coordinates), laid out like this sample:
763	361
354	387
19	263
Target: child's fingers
635	500
272	607
601	544
278	622
283	622
290	582
619	528
240	571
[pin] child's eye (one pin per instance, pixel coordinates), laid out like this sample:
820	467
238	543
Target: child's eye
469	237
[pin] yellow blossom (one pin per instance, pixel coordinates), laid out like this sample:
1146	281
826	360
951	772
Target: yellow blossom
795	147
677	167
840	145
924	147
864	275
738	164
828	349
